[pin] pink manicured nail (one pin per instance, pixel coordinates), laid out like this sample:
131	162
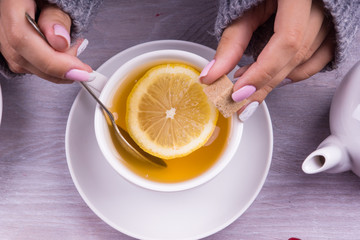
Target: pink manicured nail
79	75
62	32
243	93
206	69
248	111
82	47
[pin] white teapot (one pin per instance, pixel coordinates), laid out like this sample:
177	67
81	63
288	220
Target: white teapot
341	150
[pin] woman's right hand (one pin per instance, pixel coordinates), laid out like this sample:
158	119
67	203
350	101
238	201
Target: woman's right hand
26	52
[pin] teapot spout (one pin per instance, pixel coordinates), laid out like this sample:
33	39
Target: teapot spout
331	156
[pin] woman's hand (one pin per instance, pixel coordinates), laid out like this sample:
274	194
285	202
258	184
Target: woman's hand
26	52
302	45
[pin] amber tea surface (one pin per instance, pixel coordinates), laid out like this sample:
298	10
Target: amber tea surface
178	169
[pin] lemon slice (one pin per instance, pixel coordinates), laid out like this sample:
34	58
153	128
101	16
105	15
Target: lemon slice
168	114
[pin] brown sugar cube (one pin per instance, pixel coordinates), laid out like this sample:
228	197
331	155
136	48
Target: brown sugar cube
219	94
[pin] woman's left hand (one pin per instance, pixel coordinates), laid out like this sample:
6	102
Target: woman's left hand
302	45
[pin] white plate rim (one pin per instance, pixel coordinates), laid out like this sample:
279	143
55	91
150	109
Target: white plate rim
262	107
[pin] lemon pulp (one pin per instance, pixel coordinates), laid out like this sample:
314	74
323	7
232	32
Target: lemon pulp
167	113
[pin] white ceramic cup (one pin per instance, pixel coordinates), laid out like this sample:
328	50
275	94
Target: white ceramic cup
108	89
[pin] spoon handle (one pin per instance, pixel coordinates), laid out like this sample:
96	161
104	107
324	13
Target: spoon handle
36	26
111	116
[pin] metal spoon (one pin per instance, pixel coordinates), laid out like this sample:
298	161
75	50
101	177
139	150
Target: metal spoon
122	136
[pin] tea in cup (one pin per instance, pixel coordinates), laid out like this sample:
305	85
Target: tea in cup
181	173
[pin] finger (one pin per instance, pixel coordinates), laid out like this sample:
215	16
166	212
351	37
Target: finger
316	63
55	24
241	71
27	43
234	41
14	61
17	64
42	56
229	52
305	52
50	78
314	36
78	48
319	40
289	30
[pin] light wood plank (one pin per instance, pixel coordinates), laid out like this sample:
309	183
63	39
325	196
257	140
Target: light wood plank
38	199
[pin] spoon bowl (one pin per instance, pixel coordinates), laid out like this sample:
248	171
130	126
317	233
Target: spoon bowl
124	138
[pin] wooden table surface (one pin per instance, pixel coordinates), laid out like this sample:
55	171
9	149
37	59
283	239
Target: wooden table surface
38	199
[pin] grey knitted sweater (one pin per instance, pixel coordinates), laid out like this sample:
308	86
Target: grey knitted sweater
80	11
345	16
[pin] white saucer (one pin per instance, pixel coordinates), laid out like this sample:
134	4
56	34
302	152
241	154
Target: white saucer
145	214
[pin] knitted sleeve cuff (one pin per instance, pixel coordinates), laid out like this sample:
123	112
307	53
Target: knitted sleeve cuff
345	15
230	10
80	11
346	19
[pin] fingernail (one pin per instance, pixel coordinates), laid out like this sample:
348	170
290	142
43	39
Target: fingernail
79	75
82	47
243	93
62	32
206	69
284	82
248	111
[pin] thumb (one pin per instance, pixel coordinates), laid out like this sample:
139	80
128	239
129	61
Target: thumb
55	24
